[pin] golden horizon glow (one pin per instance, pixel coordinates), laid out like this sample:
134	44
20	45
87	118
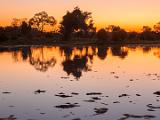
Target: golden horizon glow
129	14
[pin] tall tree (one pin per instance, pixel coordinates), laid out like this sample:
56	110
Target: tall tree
41	19
76	21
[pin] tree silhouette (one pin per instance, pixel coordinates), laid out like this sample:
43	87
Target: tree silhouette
18	22
147	33
76	21
157	27
146	29
112	28
25	28
41	19
102	36
118	34
3	36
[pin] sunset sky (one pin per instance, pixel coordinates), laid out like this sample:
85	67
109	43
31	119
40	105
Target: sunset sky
129	14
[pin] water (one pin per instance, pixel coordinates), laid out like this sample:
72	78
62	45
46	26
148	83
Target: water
125	76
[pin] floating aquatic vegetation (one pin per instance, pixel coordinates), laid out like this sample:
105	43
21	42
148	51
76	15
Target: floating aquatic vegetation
94	93
100	110
157	93
123	95
127	116
11	117
68	105
39	91
63	96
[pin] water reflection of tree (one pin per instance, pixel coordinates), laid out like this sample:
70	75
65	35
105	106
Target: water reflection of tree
76	63
20	53
102	52
76	66
66	51
157	52
119	51
75	60
42	65
26	53
146	49
39	61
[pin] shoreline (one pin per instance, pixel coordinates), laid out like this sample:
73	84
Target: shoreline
78	43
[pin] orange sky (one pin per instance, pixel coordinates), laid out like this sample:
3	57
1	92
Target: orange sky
129	14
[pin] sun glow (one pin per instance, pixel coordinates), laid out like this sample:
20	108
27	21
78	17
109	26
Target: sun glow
129	14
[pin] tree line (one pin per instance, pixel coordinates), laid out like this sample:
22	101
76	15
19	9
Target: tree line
74	24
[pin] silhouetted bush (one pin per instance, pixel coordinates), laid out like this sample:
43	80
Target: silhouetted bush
133	35
102	36
157	27
148	34
12	33
119	35
3	37
25	28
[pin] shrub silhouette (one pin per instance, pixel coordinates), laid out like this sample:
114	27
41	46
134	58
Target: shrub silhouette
133	35
147	34
102	52
3	36
25	28
118	34
102	36
157	27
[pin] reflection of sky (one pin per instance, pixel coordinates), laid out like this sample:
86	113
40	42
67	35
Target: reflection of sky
131	14
22	80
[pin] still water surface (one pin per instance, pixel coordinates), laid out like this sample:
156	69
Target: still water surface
80	83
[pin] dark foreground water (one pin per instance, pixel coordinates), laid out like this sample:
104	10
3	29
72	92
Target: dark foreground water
80	83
